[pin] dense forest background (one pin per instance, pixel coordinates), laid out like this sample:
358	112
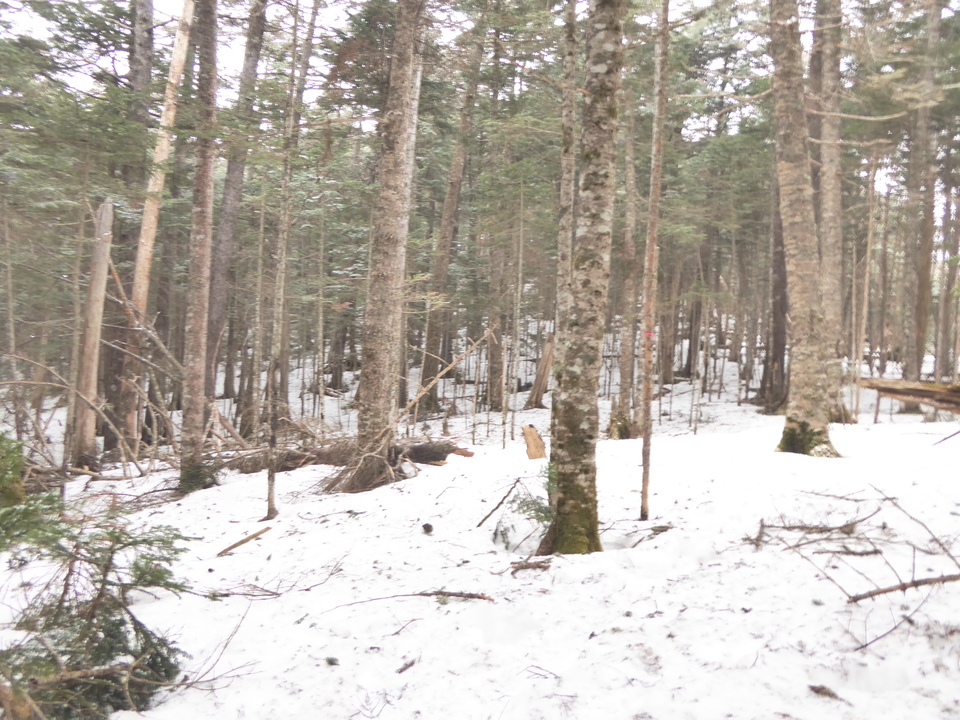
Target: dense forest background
274	159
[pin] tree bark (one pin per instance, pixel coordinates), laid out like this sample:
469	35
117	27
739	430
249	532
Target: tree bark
568	186
575	527
651	256
773	384
225	242
828	35
151	210
921	188
945	359
85	417
382	323
448	222
628	307
807	429
277	396
201	241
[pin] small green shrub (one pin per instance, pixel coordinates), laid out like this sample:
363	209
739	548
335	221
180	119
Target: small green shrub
84	653
536	508
11	473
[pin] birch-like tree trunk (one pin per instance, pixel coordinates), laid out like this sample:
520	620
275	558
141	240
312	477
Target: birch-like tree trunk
193	434
575	527
807	429
383	314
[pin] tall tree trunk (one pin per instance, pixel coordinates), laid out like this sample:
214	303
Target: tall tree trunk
951	242
225	242
277	396
382	322
448	221
829	34
13	392
85	419
807	429
628	306
861	330
128	411
651	256
921	188
773	384
568	187
192	475
883	322
575	527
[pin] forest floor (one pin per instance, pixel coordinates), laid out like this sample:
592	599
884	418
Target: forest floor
731	602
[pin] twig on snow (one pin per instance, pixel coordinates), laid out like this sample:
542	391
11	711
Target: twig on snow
429	593
942	580
247	539
921	523
905	619
499	504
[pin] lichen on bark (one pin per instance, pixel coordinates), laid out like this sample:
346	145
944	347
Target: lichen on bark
575	528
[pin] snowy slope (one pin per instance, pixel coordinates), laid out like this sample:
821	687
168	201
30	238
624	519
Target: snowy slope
319	616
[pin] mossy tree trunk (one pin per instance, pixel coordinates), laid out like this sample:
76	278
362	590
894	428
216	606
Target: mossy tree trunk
575	527
806	430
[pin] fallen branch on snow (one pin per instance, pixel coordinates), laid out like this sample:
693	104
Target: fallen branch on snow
247	539
943	579
428	593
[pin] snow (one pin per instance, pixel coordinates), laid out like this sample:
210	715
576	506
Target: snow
682	617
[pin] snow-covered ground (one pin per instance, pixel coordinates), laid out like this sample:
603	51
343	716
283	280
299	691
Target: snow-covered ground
701	612
694	614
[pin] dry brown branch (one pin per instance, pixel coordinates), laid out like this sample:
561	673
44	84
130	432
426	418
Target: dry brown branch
943	579
847	551
228	426
429	593
847	528
406	666
499	504
139	323
654	532
63	385
904	619
918	521
529	564
247	539
429	386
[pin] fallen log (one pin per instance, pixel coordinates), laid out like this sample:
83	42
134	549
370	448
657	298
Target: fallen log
341	454
941	397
